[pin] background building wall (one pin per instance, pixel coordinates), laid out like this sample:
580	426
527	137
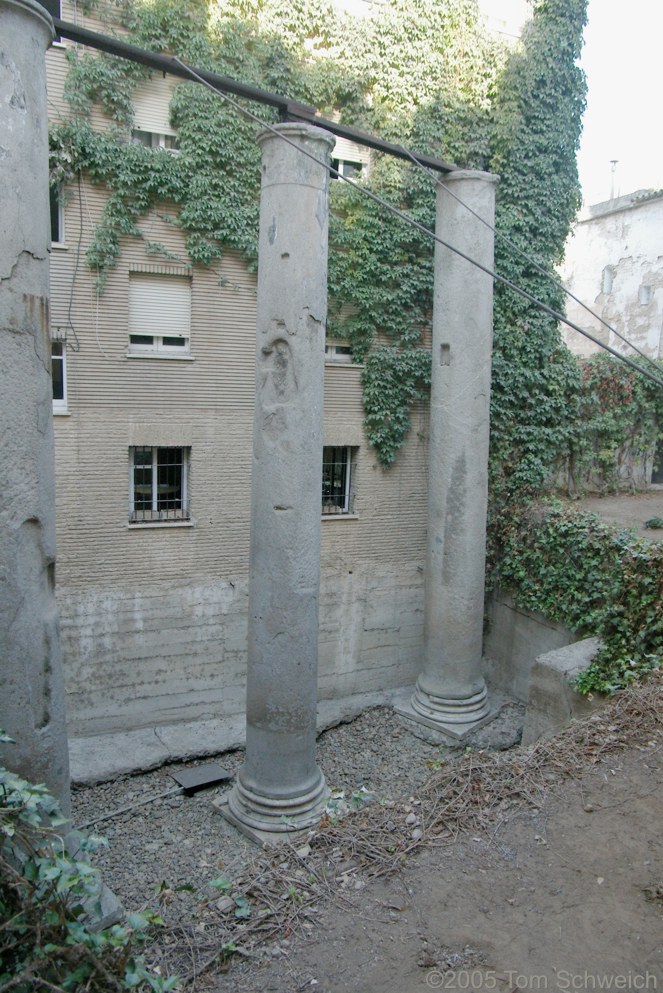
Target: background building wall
614	262
154	617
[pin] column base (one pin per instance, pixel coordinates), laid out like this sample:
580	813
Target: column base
269	821
454	717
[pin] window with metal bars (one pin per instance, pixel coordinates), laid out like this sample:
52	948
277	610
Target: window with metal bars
158	484
59	376
337	493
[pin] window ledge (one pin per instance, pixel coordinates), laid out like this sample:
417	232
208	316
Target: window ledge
60	246
339	517
159	525
160	356
61	412
58	44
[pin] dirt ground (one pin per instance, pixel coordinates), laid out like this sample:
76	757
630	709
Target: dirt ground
565	896
628	510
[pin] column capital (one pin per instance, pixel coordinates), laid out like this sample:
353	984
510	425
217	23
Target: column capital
468	174
31	7
294	130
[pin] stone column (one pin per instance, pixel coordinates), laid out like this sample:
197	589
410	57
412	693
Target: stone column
280	789
450	694
31	688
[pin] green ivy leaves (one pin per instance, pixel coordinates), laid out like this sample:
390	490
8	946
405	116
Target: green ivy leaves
593	578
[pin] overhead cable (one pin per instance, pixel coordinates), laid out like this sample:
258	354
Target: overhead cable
364	191
289	109
528	258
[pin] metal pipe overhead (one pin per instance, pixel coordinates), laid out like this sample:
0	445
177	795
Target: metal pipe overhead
289	110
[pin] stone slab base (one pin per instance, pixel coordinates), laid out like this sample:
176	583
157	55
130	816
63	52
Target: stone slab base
553	702
444	734
265	839
98	758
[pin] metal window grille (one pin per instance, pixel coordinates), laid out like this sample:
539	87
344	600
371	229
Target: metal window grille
58	374
159	478
56	215
336	480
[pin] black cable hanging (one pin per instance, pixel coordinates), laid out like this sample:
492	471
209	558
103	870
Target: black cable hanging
290	110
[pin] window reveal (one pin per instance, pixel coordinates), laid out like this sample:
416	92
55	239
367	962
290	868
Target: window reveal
158	484
337	496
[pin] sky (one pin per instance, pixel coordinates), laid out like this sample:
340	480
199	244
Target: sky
622	61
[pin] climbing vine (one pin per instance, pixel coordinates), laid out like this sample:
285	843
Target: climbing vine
536	380
423	74
433	91
622	416
595	579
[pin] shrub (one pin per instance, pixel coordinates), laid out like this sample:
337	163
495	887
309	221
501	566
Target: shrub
48	901
595	579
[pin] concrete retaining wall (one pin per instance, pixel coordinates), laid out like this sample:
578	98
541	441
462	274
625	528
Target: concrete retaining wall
514	640
174	653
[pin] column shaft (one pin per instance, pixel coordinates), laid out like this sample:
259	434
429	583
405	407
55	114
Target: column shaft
280	788
31	688
451	690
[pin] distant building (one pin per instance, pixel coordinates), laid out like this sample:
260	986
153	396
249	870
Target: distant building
614	263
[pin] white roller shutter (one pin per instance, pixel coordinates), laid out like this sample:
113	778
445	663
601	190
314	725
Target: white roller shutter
151	102
159	305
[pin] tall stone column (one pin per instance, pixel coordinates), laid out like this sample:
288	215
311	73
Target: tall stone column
450	694
31	687
280	789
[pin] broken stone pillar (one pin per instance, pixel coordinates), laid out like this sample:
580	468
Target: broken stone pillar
450	695
280	789
31	687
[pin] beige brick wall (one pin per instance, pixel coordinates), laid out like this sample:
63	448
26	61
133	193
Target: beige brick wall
154	618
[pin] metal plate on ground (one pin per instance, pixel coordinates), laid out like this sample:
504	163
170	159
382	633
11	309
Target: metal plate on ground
200	777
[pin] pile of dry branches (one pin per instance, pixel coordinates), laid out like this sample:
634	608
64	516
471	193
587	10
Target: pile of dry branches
284	888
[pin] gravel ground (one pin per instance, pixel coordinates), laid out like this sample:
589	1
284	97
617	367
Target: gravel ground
168	850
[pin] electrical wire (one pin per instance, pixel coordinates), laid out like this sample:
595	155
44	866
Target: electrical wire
528	258
364	191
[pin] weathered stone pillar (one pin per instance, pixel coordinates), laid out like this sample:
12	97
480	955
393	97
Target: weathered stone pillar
31	688
280	789
450	694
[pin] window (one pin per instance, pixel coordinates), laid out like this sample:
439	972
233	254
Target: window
351	170
644	295
59	376
151	105
338	353
159	314
154	139
337	495
158	484
607	279
57	215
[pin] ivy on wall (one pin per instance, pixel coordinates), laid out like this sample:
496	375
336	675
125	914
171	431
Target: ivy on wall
622	417
536	380
595	579
421	73
424	74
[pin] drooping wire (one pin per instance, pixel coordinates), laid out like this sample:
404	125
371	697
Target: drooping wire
528	258
364	191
